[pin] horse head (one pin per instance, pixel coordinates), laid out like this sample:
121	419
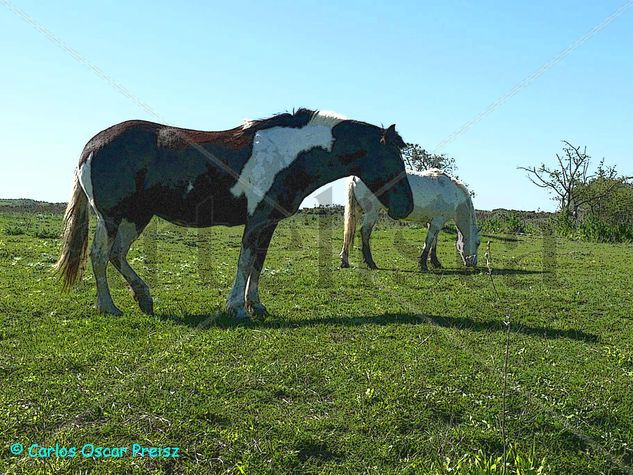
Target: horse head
467	244
382	170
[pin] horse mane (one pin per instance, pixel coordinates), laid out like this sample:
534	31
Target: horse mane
297	119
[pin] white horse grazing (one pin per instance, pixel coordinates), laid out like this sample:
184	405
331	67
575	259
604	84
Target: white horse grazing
437	198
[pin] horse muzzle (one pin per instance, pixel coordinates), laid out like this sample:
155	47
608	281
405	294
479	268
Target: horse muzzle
471	261
400	208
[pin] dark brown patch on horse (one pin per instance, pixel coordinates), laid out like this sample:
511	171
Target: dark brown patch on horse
139	178
353	156
173	137
106	136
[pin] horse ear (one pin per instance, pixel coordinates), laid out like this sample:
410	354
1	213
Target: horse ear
392	137
387	134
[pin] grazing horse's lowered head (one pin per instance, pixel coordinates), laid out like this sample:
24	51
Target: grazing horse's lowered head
253	175
468	239
467	243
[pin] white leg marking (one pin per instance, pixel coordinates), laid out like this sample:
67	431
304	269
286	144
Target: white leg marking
252	292
236	301
99	256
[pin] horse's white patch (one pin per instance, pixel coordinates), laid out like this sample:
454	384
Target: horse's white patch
189	188
84	174
127	233
237	296
275	149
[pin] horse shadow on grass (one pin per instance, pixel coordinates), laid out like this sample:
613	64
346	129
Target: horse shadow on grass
467	271
496	237
502	238
223	320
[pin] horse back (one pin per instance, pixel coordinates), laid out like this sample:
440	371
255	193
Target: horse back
140	169
435	194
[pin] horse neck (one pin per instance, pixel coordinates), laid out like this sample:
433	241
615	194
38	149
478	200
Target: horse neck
465	217
332	170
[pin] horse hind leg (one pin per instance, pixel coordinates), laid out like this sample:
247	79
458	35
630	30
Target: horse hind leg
430	244
437	224
424	256
99	253
434	259
127	233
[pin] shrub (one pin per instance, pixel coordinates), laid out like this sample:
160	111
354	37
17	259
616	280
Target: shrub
46	234
505	222
593	228
14	231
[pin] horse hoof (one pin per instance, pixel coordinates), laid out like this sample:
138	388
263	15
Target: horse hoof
239	313
258	310
109	310
146	305
345	265
372	266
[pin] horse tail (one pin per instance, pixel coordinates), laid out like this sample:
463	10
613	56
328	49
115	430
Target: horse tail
352	208
72	260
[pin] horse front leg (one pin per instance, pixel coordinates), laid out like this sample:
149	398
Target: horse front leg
344	255
252	293
236	302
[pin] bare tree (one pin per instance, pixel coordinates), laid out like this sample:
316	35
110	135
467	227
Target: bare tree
569	179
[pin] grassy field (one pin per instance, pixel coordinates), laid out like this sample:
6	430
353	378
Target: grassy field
390	371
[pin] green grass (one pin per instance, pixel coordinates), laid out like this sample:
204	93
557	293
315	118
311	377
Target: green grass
390	371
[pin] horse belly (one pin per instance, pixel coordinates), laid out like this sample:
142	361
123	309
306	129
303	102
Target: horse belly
426	212
192	191
188	206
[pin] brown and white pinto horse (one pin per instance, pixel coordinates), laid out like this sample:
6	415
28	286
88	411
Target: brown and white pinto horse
255	174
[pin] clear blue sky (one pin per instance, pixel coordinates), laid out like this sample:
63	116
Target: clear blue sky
427	66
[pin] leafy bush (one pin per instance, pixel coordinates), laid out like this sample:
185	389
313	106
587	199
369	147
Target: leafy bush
505	222
14	231
46	234
593	228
